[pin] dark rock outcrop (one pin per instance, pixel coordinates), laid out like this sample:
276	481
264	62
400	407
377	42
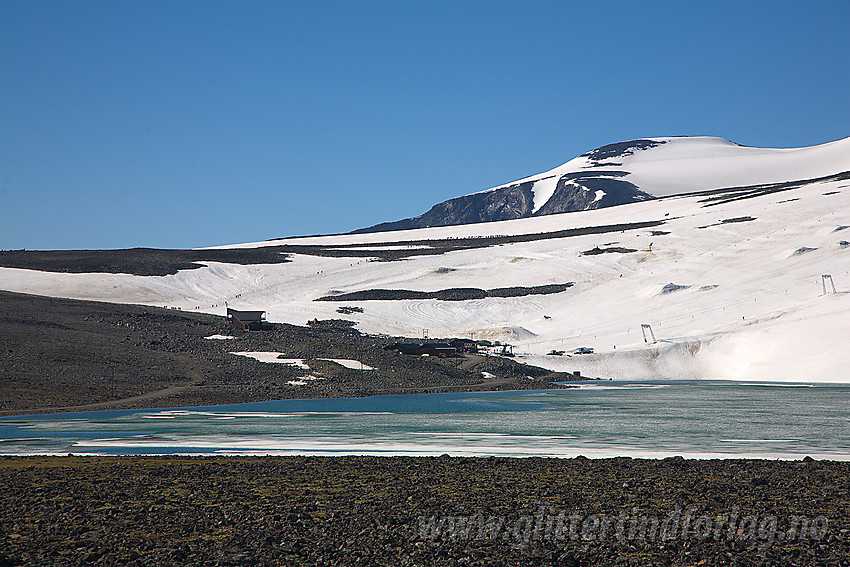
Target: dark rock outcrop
592	188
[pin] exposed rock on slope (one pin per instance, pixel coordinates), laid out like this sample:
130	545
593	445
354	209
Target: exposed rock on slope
545	194
636	170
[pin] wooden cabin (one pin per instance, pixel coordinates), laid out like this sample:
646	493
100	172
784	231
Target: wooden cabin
248	320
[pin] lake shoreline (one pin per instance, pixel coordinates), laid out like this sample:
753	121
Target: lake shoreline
649	420
72	355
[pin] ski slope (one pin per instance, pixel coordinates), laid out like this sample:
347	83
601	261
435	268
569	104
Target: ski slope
748	299
680	165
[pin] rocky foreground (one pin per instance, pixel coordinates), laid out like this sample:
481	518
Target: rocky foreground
422	511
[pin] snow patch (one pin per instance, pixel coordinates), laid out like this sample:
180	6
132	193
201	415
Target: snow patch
349	363
504	333
303	380
273	358
543	190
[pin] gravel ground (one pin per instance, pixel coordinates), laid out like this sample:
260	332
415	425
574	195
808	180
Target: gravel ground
138	261
59	353
156	261
452	294
421	511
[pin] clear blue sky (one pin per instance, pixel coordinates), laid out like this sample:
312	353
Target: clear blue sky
195	123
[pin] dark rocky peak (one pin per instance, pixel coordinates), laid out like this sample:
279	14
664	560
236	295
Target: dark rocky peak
620	149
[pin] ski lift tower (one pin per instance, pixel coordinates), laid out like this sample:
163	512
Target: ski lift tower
643	329
827	277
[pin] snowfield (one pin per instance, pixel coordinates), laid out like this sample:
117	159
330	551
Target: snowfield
747	300
680	165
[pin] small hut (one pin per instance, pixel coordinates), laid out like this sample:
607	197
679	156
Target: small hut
441	350
248	320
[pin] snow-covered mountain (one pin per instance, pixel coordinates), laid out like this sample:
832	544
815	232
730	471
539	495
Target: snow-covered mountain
628	172
730	280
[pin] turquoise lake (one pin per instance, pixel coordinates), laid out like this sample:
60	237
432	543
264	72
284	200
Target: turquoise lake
705	419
